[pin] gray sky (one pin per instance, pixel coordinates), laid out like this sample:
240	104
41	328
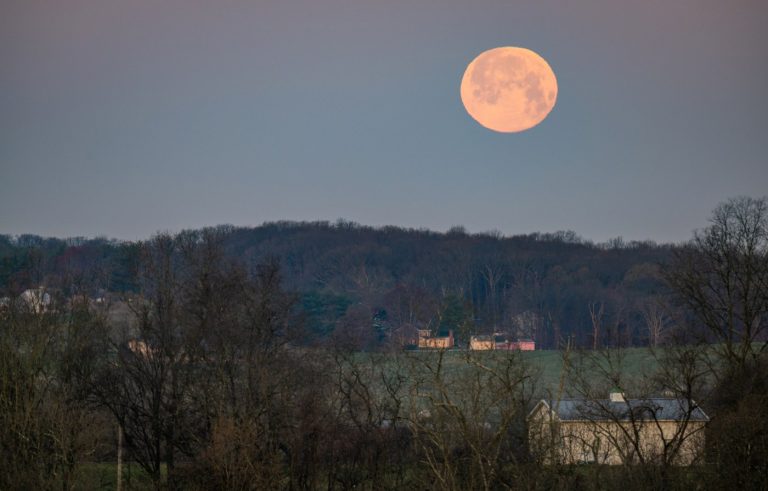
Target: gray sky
122	118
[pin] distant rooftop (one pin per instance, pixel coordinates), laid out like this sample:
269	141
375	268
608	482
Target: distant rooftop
659	409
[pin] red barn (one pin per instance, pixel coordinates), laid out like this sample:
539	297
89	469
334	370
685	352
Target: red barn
519	345
526	345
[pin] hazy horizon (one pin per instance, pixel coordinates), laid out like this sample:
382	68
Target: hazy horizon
334	223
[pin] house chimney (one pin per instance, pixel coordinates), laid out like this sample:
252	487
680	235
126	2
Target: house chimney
617	395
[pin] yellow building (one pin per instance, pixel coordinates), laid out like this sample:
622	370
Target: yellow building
617	431
444	341
481	343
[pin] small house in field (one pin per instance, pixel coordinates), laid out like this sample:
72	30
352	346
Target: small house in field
525	345
617	430
502	343
443	340
37	300
481	343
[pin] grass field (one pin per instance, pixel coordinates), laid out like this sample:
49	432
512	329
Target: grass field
103	476
635	363
546	364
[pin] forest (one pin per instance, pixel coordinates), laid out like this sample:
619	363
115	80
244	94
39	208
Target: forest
373	284
272	357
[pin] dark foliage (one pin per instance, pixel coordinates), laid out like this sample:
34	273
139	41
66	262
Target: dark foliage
536	285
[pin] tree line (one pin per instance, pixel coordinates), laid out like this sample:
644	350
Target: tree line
378	284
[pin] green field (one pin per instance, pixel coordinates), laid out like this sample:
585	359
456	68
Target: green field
103	476
635	363
546	365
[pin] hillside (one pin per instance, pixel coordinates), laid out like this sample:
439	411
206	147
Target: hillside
371	283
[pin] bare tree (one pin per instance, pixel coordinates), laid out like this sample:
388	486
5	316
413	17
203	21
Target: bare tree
721	275
493	274
656	319
596	312
46	431
467	415
146	374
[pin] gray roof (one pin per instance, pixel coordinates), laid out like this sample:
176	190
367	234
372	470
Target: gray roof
659	409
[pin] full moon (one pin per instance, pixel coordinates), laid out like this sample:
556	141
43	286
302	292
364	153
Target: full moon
509	89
